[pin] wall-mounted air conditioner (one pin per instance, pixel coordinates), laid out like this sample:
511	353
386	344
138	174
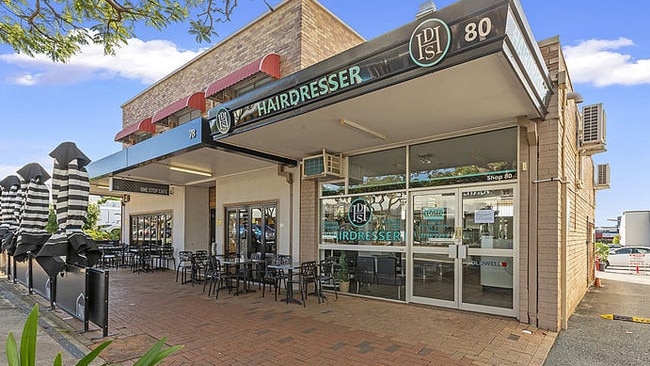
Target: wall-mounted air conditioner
602	176
322	166
593	129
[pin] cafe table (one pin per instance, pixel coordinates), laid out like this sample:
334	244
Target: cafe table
239	263
287	268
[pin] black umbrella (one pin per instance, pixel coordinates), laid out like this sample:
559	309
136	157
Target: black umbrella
70	191
9	212
35	197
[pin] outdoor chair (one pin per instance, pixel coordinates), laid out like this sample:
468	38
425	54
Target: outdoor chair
258	269
307	274
274	277
217	278
184	265
327	276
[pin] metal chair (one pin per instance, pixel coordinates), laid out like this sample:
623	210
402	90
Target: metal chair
308	274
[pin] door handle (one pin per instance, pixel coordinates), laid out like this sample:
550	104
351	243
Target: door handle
453	251
462	251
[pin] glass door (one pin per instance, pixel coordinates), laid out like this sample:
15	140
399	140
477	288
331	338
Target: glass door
434	248
488	224
462	252
251	229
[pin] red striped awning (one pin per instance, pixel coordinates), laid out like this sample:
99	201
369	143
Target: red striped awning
143	126
195	101
269	64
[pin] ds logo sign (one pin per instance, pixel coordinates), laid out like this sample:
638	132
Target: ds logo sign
359	212
430	42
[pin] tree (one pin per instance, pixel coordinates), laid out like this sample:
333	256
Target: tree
92	218
58	28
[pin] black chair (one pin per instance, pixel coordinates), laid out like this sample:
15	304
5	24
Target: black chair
217	277
274	277
387	273
365	271
307	274
199	264
185	260
166	257
327	276
258	269
142	261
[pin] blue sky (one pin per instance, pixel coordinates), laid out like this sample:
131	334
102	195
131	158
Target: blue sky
606	45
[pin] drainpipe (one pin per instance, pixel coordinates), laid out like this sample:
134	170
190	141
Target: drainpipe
288	176
533	201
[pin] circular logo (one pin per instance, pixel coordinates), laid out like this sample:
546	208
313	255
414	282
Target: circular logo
359	212
430	42
224	121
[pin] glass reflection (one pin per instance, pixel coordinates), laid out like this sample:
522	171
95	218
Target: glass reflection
433	276
488	281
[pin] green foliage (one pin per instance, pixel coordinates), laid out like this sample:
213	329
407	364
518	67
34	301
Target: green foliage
26	354
58	28
52	225
616	240
92	217
602	251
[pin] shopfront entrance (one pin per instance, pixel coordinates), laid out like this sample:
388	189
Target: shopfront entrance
463	248
251	229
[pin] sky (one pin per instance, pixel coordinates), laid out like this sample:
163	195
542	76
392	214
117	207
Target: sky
607	47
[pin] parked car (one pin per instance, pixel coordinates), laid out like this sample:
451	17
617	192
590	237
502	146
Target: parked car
622	257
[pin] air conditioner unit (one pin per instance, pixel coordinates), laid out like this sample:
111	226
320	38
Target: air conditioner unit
593	129
602	178
322	166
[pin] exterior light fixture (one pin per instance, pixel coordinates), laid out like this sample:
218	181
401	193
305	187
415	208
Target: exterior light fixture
345	122
103	186
189	171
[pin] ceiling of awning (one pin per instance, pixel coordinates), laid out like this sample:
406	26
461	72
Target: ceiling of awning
268	64
466	97
144	126
194	101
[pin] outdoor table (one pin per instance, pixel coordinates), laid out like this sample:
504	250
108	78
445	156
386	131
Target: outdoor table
238	263
289	269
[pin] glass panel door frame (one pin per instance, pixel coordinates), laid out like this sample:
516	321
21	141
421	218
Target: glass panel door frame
457	245
250	228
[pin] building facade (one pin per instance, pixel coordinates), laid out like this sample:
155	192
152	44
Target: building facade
448	161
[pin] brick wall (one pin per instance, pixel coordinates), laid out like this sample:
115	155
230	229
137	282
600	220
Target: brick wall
300	31
308	220
566	209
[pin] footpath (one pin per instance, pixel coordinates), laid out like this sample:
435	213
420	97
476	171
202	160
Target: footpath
591	340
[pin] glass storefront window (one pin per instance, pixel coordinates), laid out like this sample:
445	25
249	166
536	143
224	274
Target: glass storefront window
332	189
372	273
488	218
364	220
485	157
153	229
377	171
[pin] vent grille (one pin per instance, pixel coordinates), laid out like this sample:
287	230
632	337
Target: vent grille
593	117
322	166
602	179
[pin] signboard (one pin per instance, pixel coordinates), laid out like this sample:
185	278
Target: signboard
637	259
484	216
117	184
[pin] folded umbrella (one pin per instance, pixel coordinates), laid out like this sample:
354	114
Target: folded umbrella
32	221
9	212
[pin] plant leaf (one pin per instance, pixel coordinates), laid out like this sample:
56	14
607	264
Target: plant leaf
12	351
164	353
151	353
28	339
57	360
93	355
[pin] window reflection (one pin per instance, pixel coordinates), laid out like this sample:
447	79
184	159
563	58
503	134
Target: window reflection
378	171
485	157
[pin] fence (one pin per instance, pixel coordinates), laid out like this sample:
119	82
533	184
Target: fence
81	292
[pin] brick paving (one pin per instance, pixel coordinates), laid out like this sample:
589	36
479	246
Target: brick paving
251	330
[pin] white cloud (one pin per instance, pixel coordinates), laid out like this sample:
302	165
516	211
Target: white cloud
601	63
146	61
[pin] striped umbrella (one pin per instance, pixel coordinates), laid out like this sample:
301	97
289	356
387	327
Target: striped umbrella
35	198
9	212
70	191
